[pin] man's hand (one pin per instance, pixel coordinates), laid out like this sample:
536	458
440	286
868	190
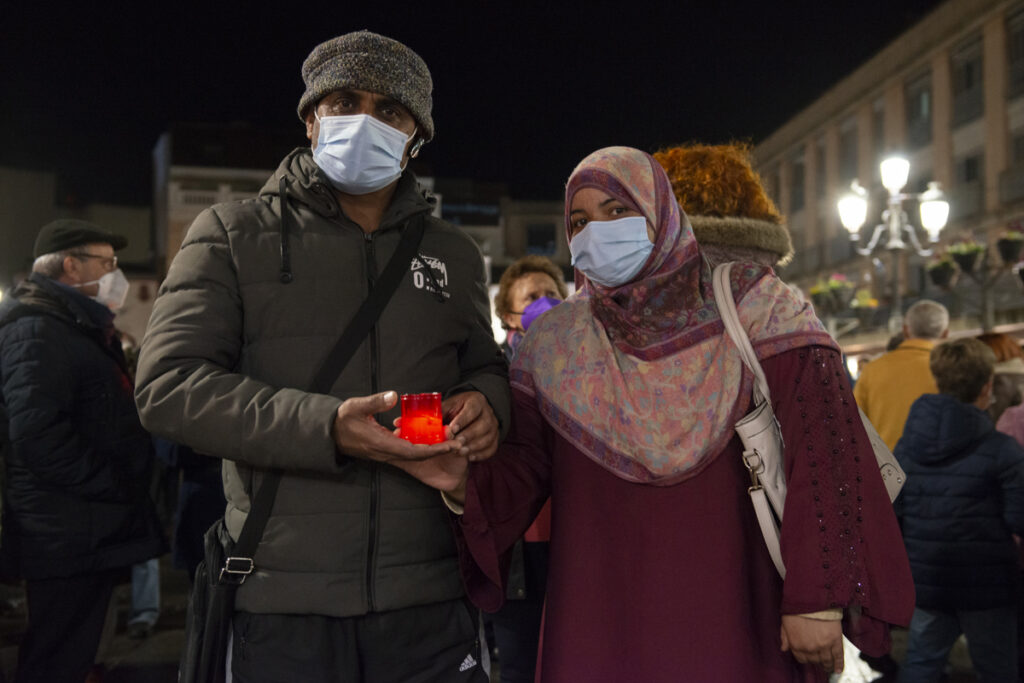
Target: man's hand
357	433
471	419
814	641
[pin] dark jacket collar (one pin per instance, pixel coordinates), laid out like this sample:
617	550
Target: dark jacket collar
97	313
64	301
308	184
50	297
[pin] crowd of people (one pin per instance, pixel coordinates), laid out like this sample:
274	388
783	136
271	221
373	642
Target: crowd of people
590	492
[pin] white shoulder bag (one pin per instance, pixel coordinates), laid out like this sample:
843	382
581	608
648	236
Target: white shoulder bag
759	431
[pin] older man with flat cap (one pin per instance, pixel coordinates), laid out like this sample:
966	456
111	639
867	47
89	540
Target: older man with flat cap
356	574
77	513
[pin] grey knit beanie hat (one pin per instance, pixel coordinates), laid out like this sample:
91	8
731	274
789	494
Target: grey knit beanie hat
369	61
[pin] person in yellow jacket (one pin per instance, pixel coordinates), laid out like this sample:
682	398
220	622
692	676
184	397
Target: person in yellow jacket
889	384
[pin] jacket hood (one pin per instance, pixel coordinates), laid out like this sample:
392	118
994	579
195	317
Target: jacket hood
735	238
940	427
307	183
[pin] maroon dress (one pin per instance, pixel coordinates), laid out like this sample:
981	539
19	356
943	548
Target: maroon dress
674	583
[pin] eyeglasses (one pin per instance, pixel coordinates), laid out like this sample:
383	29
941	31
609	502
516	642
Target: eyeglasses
109	262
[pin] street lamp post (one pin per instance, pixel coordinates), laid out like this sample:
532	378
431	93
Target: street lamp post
853	211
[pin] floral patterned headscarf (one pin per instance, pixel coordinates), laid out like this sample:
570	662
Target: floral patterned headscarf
641	377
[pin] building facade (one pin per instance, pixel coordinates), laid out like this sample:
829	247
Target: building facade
198	165
948	95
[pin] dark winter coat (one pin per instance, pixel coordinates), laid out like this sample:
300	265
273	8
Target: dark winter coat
963	499
230	355
77	461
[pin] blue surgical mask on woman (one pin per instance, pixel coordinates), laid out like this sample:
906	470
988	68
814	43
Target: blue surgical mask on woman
358	153
611	253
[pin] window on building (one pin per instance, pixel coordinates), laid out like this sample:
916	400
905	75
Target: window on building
820	170
835	239
797	179
771	184
1011	181
1017	148
848	152
968	101
1015	47
800	251
918	183
540	238
969	169
967	195
918	96
878	128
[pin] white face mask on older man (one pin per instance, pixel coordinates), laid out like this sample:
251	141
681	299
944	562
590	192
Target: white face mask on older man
358	153
113	289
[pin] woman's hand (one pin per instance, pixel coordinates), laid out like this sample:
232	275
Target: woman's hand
357	433
470	417
813	641
446	472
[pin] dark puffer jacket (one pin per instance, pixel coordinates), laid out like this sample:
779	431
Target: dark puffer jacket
230	355
963	498
77	460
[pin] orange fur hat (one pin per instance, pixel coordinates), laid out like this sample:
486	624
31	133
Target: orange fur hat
732	216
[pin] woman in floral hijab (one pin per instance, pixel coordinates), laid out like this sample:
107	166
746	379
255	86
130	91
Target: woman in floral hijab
625	398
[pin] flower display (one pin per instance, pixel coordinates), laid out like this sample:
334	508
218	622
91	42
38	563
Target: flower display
831	296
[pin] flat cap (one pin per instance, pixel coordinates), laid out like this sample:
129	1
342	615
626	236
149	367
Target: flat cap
66	233
368	61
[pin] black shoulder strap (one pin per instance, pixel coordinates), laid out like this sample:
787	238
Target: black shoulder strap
240	564
371	308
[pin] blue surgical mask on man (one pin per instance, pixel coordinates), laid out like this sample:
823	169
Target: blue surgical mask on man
358	153
611	253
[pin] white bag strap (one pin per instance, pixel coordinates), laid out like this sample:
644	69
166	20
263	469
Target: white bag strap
769	528
731	319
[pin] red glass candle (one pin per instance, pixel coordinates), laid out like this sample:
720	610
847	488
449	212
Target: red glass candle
421	418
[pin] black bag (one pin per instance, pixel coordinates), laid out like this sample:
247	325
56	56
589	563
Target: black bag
226	565
209	614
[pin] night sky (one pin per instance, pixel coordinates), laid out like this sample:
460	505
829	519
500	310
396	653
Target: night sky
522	91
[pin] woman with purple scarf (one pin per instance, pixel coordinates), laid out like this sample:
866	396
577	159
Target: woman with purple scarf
625	397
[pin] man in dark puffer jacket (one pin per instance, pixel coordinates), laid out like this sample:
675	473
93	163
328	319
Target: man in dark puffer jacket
356	576
77	511
963	499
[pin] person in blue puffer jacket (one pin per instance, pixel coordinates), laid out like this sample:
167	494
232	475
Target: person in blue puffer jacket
963	500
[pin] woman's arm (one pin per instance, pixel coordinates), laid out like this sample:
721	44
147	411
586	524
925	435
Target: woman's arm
840	540
502	498
495	500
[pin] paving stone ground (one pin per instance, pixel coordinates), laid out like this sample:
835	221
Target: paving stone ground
155	659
